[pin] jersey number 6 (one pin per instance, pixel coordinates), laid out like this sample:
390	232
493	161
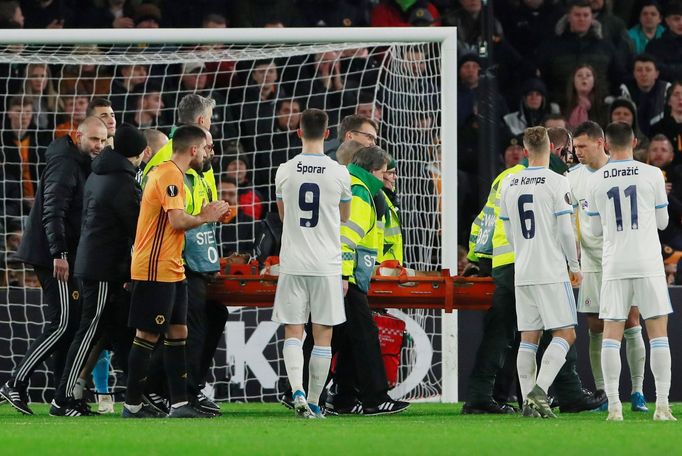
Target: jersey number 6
309	201
526	216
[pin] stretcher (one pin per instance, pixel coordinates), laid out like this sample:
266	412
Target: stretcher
244	285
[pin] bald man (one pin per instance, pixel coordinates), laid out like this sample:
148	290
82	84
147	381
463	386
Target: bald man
49	246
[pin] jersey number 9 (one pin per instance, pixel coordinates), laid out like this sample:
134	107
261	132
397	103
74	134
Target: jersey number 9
309	201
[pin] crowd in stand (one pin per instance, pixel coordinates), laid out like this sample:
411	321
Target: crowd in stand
558	63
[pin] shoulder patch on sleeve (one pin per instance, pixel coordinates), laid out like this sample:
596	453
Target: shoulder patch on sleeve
567	198
172	190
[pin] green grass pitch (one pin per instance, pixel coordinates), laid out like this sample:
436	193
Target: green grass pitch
270	429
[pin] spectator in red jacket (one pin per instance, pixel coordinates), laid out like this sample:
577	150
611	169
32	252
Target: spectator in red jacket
405	13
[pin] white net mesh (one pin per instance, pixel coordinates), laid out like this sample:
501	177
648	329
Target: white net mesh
259	91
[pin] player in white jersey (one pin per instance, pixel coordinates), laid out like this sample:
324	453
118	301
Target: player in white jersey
313	198
589	147
628	202
535	208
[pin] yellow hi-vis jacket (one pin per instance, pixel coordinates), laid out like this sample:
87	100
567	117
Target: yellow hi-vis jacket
503	252
196	195
393	235
486	224
361	235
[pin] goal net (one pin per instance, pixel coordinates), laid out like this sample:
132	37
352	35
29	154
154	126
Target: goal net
260	90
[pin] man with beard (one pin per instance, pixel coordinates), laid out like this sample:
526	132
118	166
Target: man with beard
206	321
159	289
103	261
49	245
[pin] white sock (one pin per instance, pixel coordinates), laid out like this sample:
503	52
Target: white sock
635	352
595	359
78	389
133	408
293	361
320	360
526	367
552	360
660	366
610	365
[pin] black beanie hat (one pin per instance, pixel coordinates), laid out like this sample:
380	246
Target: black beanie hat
129	141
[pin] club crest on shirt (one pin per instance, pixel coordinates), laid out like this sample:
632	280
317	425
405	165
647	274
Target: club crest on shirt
583	204
172	190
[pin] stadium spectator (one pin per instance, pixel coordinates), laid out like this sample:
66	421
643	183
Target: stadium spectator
73	107
238	168
236	231
368	108
47	14
22	152
624	110
469	22
405	13
647	91
195	79
513	153
261	13
330	13
584	97
122	87
101	108
148	111
534	107
613	27
528	23
259	97
347	150
660	154
577	40
278	147
648	26
103	256
40	86
670	123
113	14
147	15
554	121
11	15
49	245
668	48
221	72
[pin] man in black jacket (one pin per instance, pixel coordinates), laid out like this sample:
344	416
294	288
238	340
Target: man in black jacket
49	245
111	206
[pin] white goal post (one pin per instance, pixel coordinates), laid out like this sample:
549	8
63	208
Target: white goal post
443	37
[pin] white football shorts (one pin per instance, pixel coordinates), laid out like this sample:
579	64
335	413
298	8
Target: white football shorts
298	297
545	306
650	294
588	296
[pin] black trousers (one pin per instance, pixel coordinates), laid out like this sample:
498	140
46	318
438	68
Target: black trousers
97	313
205	326
498	335
359	365
62	311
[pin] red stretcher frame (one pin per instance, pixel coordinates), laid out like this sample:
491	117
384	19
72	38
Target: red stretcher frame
241	287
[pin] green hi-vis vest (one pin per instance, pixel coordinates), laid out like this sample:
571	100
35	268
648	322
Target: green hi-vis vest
393	235
362	234
201	249
503	252
483	228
